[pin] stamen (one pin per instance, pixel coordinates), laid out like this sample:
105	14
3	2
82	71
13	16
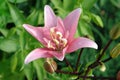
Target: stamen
56	41
52	30
64	41
59	34
49	45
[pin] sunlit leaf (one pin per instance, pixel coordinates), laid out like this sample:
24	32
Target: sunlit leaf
84	29
4	32
14	60
87	4
57	3
28	70
41	73
8	45
97	20
69	5
33	17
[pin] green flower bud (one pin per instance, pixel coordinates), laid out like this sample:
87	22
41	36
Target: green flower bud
50	65
102	67
115	31
115	51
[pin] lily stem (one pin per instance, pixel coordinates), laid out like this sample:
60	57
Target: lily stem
67	63
109	58
88	77
78	60
97	62
104	49
66	72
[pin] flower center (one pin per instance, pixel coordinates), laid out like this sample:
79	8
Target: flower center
58	42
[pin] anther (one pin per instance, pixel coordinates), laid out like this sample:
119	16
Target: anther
59	34
64	41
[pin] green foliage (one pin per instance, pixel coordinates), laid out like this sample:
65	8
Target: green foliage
17	1
116	3
8	45
88	4
96	20
17	17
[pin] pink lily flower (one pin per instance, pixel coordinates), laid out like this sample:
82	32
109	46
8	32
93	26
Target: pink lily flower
57	36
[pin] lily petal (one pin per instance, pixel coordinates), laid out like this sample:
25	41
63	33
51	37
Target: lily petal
60	25
71	21
59	55
37	53
50	18
38	32
34	31
81	43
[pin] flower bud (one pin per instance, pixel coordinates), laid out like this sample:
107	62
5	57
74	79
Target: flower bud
118	75
115	51
115	31
50	65
102	67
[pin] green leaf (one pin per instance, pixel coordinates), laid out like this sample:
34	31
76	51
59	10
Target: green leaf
28	70
97	20
8	45
73	77
88	4
60	8
4	32
33	17
41	18
4	71
14	61
57	3
69	5
85	30
116	3
17	1
22	37
41	74
86	17
16	15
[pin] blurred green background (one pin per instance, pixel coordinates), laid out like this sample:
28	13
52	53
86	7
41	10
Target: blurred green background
97	19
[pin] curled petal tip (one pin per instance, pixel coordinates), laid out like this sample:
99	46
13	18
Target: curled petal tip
80	10
61	59
24	25
26	61
96	46
47	6
81	42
